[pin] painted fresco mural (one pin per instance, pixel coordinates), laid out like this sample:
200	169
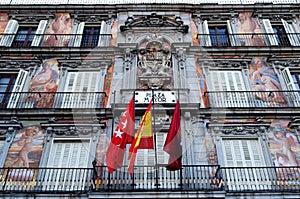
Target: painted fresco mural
26	148
284	145
25	152
246	25
194	32
264	79
202	84
45	80
114	33
3	22
62	24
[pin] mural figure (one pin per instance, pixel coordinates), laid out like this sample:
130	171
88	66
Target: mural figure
249	30
263	78
287	157
26	142
284	145
26	148
3	22
58	32
44	80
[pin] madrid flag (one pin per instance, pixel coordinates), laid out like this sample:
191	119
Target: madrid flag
173	141
122	135
143	138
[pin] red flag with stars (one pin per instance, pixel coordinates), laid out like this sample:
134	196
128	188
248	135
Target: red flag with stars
122	135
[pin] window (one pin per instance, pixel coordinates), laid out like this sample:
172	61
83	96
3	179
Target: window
17	87
242	153
219	36
145	162
291	32
3	152
24	37
292	80
9	85
9	33
240	156
281	36
232	86
81	90
6	85
90	37
67	157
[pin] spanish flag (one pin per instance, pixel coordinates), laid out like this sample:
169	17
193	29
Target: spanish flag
143	138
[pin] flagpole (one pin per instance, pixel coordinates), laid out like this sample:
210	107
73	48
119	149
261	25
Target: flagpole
112	126
154	136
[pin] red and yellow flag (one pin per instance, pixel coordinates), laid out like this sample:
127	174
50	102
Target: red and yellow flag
143	138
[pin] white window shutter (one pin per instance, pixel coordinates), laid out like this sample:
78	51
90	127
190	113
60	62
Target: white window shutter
207	40
230	32
288	79
242	152
39	33
162	156
79	32
293	38
79	83
229	81
103	39
269	30
9	33
20	81
70	153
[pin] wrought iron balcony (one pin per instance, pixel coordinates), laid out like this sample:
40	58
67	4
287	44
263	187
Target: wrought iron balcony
59	100
147	178
249	39
252	99
54	40
260	179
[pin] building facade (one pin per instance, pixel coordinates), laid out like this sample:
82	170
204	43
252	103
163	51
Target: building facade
69	69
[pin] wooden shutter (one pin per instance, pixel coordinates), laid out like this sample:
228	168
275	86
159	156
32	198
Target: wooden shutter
269	30
9	33
39	33
293	37
18	87
103	39
79	33
207	40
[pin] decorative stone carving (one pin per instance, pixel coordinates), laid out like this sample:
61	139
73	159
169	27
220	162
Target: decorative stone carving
154	63
71	129
155	20
249	129
19	63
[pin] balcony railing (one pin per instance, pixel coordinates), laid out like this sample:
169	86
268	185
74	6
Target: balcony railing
200	177
261	179
54	40
147	178
249	39
59	100
252	99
